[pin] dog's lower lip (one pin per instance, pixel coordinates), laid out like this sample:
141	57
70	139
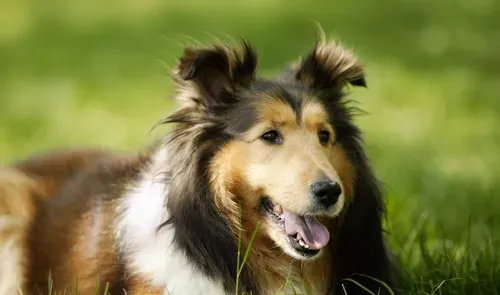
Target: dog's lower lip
296	245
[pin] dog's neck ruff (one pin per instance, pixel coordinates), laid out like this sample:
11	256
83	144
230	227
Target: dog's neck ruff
152	253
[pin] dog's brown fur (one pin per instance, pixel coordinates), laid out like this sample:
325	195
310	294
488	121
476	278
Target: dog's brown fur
26	190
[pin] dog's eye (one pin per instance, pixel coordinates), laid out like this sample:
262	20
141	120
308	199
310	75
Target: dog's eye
324	137
272	137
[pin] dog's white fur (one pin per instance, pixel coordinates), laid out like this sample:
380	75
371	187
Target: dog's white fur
11	229
151	253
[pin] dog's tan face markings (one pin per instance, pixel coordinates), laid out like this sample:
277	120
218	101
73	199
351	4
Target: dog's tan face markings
249	168
285	172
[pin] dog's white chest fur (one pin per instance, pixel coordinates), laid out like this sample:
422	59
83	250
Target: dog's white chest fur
151	254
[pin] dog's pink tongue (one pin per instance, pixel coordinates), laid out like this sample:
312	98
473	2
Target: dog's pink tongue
312	231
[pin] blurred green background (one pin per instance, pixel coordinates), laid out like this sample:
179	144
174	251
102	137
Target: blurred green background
97	73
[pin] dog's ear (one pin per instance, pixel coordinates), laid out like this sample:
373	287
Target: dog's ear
216	73
329	65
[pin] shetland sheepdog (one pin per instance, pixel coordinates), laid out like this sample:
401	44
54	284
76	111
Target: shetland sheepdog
261	186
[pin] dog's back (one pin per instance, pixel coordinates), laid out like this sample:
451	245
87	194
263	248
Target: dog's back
22	185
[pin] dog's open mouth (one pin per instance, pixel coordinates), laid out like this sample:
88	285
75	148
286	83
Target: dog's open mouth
305	234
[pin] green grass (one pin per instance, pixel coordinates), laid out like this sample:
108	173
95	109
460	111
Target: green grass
92	73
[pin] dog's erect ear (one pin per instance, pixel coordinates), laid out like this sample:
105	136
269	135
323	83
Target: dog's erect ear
215	73
329	65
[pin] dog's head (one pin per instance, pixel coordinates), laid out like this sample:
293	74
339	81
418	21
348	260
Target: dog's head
281	153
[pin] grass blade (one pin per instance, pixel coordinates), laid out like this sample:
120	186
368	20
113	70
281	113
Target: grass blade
247	251
106	288
238	255
378	281
357	284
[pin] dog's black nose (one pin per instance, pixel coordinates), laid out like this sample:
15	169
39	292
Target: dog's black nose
326	192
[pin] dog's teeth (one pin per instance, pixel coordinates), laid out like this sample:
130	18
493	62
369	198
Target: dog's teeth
303	244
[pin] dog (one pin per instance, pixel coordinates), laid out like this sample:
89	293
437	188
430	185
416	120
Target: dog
262	186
